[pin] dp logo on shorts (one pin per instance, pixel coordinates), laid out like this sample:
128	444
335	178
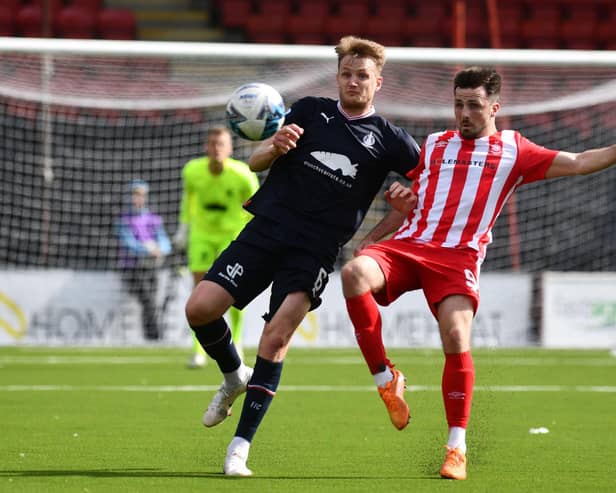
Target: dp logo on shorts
234	270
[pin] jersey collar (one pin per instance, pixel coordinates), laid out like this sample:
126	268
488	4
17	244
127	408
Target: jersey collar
370	112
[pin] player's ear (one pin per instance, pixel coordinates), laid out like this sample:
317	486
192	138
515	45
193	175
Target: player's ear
379	83
495	107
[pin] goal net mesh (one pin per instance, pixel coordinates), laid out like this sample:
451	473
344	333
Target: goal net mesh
78	126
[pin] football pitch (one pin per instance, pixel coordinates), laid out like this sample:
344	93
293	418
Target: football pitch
129	420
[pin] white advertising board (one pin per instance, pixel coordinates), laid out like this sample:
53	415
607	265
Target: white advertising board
579	310
61	307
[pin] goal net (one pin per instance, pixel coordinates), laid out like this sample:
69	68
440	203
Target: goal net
81	119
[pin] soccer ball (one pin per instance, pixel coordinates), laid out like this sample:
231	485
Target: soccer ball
255	111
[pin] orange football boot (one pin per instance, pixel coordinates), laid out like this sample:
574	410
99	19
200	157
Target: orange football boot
393	397
455	464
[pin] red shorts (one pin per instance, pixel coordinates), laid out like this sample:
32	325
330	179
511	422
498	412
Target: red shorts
438	271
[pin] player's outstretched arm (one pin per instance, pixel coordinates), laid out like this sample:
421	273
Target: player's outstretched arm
583	163
278	144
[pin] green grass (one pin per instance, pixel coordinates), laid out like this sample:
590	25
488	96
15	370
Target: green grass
115	420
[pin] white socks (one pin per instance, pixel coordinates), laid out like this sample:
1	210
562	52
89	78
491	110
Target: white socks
457	438
240	446
236	377
383	377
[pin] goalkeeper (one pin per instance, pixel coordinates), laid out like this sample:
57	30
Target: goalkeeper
211	215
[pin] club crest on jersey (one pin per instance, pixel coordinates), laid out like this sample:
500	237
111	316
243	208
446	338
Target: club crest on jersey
336	162
496	148
368	140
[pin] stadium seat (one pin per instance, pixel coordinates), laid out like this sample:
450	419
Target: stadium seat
7	21
427	19
477	28
337	25
12	4
117	23
29	22
427	41
76	23
579	25
274	7
307	24
234	13
91	5
353	8
386	25
604	31
541	28
266	28
54	6
509	19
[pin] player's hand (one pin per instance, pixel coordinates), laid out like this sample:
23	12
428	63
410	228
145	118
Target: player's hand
401	198
286	138
180	239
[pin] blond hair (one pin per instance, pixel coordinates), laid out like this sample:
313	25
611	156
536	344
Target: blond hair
361	48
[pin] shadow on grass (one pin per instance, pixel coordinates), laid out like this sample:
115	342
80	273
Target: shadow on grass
158	473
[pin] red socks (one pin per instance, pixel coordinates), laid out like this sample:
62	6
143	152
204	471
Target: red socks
457	385
366	318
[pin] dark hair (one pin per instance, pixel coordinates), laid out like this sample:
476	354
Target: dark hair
472	77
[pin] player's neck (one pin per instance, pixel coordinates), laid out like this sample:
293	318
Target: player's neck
216	167
356	111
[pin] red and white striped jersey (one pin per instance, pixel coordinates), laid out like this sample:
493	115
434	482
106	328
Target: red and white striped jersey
462	185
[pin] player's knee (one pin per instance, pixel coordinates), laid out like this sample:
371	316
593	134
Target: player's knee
456	339
356	277
198	313
351	273
274	343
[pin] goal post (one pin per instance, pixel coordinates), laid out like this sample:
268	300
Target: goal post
80	119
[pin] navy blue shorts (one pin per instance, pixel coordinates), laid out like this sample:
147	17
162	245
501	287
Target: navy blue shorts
259	257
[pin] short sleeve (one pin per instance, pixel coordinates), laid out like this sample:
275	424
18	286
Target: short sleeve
533	159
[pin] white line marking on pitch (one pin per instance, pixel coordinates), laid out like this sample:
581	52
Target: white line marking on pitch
297	388
95	359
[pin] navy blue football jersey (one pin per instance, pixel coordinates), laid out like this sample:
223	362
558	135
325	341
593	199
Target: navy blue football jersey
320	191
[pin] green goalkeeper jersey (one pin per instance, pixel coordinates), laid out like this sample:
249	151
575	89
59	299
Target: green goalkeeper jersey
212	205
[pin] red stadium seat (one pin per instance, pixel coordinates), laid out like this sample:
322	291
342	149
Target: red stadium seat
234	13
542	27
117	24
92	5
477	29
76	23
579	25
29	22
307	25
604	32
509	20
427	19
427	41
386	25
353	8
274	7
266	28
7	21
54	6
337	25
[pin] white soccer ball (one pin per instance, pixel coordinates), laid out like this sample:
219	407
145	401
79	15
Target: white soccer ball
255	111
